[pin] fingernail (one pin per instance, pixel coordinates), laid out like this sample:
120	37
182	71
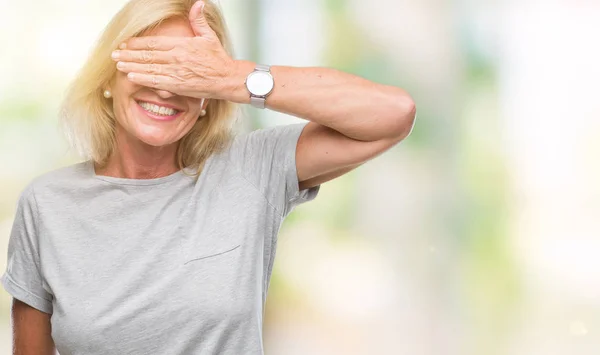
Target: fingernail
123	45
130	76
202	6
120	65
115	55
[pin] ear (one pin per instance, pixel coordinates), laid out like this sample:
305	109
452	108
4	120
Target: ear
204	103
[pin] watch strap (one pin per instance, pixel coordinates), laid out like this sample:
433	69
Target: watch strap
263	67
258	101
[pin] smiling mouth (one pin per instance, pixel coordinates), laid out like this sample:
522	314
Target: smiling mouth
157	110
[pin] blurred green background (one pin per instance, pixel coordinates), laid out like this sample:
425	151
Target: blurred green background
479	234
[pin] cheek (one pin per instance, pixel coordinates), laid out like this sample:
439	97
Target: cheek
122	101
123	88
193	114
194	106
188	126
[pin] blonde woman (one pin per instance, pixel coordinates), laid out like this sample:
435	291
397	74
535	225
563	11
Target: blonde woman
163	240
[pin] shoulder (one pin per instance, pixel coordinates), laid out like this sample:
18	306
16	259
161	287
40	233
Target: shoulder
68	177
258	140
272	132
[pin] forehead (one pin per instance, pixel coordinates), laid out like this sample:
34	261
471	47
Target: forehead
173	27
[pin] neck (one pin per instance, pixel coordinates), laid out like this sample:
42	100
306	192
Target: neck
134	159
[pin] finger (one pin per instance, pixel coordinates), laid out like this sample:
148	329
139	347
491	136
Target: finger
161	43
142	56
150	68
198	21
153	81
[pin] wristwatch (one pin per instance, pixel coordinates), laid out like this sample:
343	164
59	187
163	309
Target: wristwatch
260	83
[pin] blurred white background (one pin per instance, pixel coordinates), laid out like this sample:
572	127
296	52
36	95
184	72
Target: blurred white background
479	234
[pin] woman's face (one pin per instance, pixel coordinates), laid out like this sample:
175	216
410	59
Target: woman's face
155	117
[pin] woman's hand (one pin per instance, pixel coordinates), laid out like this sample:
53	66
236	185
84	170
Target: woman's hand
188	66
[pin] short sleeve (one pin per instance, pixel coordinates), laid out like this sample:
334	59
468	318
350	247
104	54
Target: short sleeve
22	278
267	158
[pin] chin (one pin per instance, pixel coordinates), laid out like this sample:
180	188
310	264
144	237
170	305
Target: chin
157	141
156	138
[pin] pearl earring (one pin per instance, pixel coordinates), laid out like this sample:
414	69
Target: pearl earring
107	94
203	112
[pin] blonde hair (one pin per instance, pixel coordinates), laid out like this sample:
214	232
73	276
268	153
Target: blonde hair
87	116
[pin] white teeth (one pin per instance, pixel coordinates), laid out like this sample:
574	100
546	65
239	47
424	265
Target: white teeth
158	110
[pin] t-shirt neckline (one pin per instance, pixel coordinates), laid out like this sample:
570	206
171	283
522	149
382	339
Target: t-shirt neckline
137	182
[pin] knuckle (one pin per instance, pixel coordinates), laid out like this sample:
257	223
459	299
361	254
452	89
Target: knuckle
153	68
181	72
180	57
147	56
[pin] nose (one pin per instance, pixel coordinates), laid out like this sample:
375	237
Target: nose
164	94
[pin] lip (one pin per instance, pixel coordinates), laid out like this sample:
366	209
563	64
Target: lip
160	104
157	117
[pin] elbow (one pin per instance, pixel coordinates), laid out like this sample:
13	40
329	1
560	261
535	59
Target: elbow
405	113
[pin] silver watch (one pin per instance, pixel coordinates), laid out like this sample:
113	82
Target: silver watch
260	83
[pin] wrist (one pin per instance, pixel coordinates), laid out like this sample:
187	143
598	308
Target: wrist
234	88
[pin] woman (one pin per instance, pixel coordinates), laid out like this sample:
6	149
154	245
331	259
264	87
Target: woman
163	241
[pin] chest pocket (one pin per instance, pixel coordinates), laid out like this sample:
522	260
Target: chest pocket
222	218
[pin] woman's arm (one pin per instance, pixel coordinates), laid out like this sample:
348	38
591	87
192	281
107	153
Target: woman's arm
352	119
31	330
358	108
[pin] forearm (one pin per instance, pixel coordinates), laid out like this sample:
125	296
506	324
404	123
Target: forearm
351	105
32	330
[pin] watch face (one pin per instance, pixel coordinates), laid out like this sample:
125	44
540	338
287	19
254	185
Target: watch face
260	83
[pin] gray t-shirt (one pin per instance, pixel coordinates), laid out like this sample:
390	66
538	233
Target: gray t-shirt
159	266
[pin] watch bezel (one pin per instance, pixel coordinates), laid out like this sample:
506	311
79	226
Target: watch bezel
251	86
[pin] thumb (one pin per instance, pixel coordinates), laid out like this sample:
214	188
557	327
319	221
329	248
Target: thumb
198	21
